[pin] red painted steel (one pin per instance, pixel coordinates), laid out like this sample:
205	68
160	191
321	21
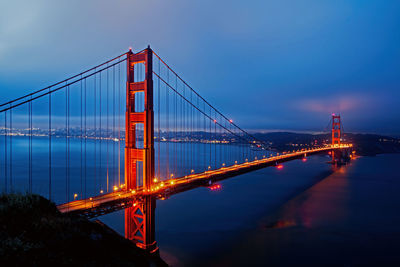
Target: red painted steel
139	219
120	199
336	133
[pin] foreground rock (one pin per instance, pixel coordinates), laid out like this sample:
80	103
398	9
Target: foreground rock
34	233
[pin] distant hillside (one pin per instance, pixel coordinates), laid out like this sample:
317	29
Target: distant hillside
34	233
364	144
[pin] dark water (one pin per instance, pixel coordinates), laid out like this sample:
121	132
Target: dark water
82	168
305	214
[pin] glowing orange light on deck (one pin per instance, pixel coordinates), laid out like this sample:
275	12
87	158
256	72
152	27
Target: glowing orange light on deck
304	159
230	121
101	191
279	167
215	121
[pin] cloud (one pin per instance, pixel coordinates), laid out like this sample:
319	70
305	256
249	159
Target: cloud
338	104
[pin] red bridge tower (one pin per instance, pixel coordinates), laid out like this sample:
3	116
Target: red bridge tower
139	219
336	133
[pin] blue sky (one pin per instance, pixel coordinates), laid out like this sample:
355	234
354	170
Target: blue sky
266	64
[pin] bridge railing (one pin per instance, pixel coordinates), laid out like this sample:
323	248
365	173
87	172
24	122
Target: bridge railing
66	141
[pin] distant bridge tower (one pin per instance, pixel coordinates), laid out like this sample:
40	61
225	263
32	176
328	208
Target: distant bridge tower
139	219
336	127
336	135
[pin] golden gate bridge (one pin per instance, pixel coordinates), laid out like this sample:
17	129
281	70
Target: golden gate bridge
127	132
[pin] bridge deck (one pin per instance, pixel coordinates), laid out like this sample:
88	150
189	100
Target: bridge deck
120	199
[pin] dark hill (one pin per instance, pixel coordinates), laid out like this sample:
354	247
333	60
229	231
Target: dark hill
364	144
34	233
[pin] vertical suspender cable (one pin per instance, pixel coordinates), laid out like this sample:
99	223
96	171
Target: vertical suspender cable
184	130
95	133
113	133
158	124
5	152
68	140
191	133
198	133
50	133
205	135
85	127
167	106
215	140
107	134
11	152
66	145
81	156
182	142
175	125
30	146
210	140
119	122
100	137
220	143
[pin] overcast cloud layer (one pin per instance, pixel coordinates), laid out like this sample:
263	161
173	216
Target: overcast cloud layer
267	64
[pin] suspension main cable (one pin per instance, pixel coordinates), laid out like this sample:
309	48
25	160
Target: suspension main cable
216	110
215	121
61	87
70	78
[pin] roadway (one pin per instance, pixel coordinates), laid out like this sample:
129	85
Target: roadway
121	198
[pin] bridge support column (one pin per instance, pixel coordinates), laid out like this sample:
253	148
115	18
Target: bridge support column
139	159
140	225
336	135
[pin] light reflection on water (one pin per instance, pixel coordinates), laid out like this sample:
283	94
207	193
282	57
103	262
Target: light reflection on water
350	218
199	223
302	214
